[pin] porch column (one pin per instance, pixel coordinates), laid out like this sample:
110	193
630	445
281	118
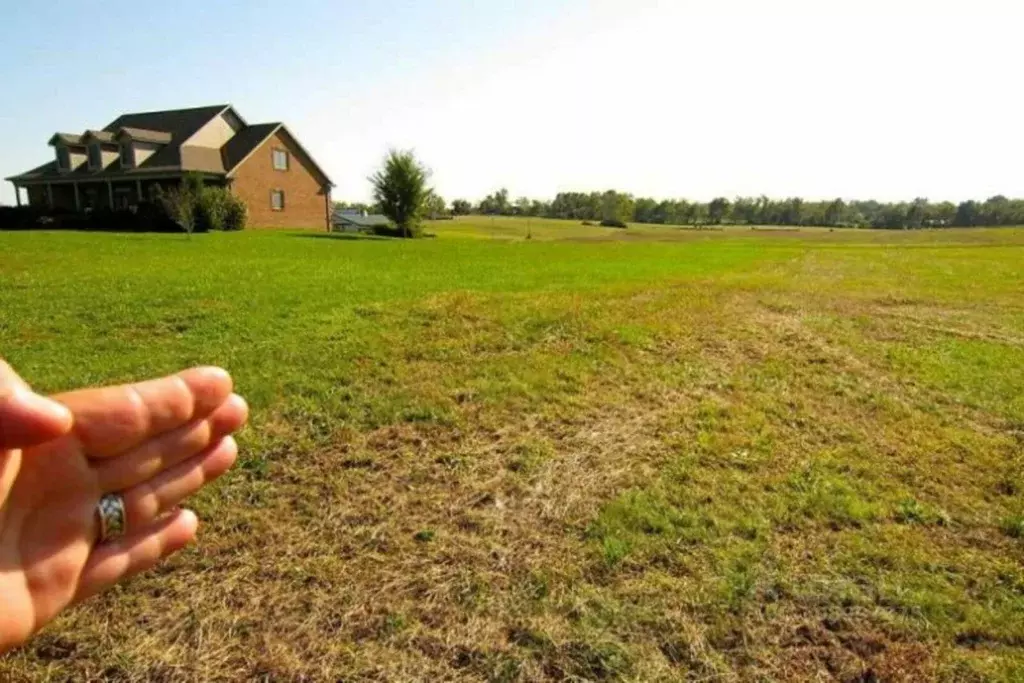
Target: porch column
78	202
49	194
138	190
110	194
17	194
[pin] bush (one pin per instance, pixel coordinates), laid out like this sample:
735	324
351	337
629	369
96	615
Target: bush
612	223
392	231
19	218
587	223
235	215
210	209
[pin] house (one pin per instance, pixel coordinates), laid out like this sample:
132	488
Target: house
354	220
120	165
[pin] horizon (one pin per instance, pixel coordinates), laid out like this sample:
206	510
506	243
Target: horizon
698	100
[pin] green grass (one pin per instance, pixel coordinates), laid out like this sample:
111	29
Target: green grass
643	454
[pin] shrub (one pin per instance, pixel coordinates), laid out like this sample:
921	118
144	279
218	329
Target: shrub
19	218
235	215
612	223
210	209
179	205
587	223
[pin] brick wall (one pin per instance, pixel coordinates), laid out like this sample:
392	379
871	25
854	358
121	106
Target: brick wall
304	200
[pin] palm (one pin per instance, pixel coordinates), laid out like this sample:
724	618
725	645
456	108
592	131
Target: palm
153	444
46	539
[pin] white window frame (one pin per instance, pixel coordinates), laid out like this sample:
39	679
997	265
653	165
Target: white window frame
274	194
99	154
273	158
131	155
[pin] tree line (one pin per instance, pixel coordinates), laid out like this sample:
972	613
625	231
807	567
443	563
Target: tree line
401	192
617	206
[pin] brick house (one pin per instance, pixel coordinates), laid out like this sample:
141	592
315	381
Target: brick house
119	165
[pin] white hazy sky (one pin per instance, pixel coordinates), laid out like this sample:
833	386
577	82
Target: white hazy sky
826	98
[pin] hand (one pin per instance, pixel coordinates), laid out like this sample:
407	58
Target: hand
155	443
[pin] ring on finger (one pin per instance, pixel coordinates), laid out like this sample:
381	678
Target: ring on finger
110	514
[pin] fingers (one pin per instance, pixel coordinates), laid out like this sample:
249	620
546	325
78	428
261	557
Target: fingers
149	500
115	561
111	420
26	418
163	452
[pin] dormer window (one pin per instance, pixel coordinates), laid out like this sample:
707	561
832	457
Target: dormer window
127	155
63	159
95	157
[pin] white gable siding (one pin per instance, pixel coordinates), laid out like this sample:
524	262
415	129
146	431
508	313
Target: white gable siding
143	151
215	133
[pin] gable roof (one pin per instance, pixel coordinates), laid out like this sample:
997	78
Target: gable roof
252	141
170	129
143	135
245	143
66	138
357	219
101	135
181	124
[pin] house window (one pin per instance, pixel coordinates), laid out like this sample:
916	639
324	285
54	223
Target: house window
95	158
63	159
280	160
127	156
277	200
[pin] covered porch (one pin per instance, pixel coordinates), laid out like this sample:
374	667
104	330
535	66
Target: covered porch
86	195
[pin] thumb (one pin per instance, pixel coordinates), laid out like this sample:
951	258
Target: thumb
26	418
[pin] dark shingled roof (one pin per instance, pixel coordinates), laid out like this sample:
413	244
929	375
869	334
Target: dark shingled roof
359	220
181	124
244	142
170	129
142	135
101	135
67	138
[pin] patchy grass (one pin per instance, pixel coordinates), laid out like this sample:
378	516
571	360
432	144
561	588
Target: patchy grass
650	454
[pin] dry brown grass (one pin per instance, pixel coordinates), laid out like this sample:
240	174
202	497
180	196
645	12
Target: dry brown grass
744	477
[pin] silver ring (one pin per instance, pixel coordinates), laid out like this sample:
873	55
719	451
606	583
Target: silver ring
110	513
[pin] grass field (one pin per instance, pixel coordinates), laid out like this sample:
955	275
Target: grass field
651	454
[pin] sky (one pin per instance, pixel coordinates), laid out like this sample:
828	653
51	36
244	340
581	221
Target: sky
883	99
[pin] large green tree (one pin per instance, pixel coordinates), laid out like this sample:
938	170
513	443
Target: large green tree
718	209
400	187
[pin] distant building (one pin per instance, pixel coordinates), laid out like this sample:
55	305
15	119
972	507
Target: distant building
355	220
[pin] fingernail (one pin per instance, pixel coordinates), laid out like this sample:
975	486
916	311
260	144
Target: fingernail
241	405
214	372
43	407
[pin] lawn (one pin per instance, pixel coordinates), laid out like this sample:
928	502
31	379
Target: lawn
644	454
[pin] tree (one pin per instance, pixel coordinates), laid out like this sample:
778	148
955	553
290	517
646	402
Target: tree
400	187
523	206
966	214
460	207
835	212
616	207
917	212
496	203
744	211
434	206
645	210
717	209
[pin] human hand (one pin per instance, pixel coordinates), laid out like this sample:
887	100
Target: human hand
155	443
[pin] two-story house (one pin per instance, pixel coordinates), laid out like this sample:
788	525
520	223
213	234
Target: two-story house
119	165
